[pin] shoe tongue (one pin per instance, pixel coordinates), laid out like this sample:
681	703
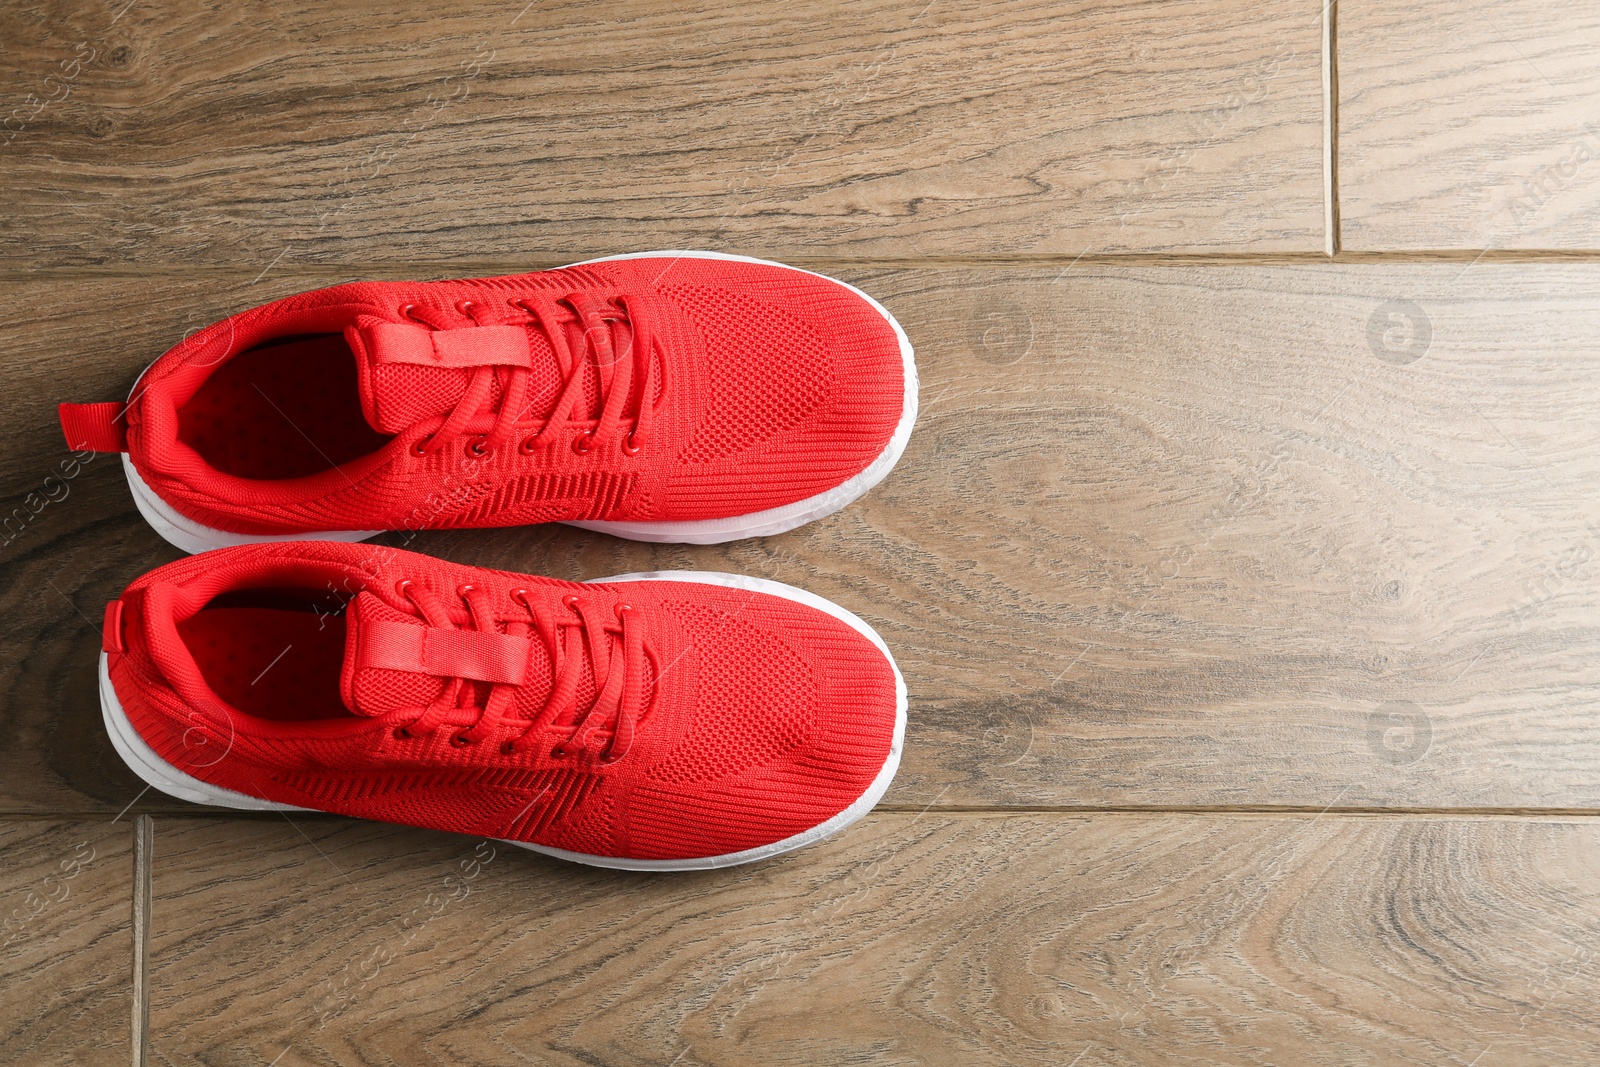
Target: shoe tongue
396	393
380	690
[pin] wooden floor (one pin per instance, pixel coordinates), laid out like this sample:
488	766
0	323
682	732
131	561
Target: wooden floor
1244	566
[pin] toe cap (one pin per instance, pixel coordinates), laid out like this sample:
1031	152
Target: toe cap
797	715
806	385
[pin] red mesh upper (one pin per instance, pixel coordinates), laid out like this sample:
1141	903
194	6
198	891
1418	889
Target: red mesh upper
769	386
376	691
765	718
758	707
752	400
403	394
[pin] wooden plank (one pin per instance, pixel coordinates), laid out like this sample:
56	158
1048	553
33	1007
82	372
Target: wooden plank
65	952
440	131
1469	126
1206	537
935	939
1164	537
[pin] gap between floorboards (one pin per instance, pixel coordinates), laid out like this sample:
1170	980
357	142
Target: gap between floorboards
480	268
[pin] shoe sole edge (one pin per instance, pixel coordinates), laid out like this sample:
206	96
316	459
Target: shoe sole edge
156	772
194	537
164	776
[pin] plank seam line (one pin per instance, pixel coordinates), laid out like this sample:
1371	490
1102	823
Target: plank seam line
1247	810
179	273
143	853
212	815
1333	220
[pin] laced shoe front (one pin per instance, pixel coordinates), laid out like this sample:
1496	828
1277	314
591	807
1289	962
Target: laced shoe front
669	397
578	640
654	721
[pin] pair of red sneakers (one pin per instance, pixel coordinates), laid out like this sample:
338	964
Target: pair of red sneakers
667	720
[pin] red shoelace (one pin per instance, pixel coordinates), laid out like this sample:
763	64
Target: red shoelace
616	374
580	632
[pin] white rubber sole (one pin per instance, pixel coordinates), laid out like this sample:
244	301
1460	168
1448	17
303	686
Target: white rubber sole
157	772
194	537
143	761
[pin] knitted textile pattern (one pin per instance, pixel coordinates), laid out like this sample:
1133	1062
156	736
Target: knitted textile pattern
614	722
643	390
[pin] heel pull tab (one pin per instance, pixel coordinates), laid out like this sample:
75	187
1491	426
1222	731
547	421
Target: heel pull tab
95	427
111	636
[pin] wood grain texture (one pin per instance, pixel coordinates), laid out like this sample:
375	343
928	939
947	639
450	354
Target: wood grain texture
1322	538
1164	537
910	939
437	131
65	951
1469	125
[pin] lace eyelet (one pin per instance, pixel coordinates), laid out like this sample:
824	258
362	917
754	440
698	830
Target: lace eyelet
420	447
466	307
521	597
570	600
580	444
629	447
406	312
463	591
528	444
461	740
558	753
403	587
475	447
508	748
621	609
402	734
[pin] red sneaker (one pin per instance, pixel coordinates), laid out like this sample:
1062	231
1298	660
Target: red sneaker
664	721
668	396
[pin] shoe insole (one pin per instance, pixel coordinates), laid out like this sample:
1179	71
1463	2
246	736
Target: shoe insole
269	662
286	409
